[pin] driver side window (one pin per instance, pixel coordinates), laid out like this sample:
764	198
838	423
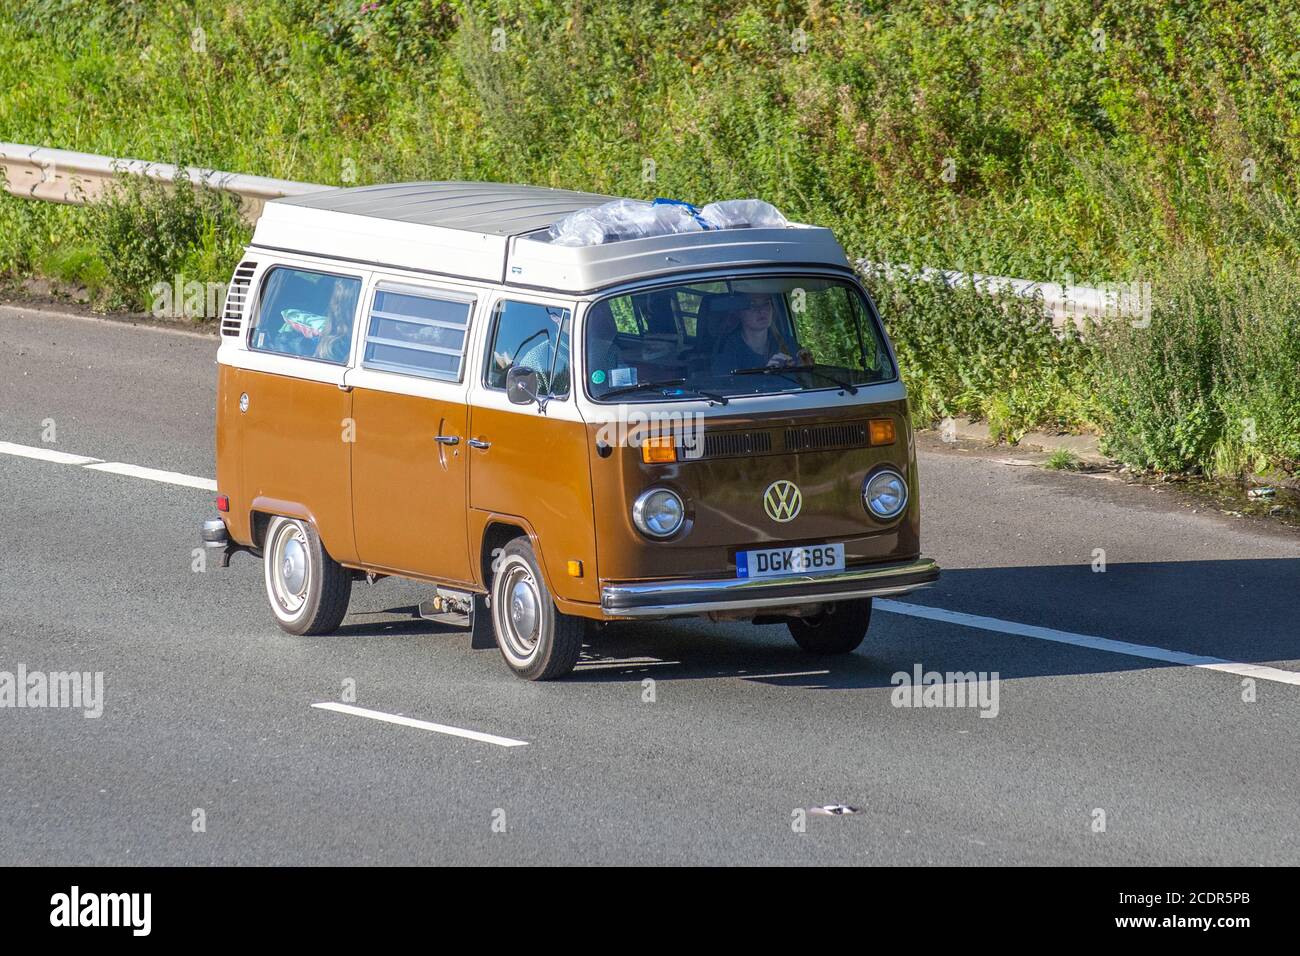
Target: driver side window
534	336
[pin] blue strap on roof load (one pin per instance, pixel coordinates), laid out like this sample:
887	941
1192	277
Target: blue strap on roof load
695	213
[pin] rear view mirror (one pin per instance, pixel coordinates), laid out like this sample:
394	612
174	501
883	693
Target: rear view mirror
521	385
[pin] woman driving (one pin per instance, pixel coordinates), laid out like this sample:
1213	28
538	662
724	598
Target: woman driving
755	342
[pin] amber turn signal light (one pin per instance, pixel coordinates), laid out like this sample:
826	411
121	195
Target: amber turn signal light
660	449
880	431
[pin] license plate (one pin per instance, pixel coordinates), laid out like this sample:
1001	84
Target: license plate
776	562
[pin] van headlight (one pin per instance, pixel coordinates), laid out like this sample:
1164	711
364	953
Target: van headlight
884	494
658	513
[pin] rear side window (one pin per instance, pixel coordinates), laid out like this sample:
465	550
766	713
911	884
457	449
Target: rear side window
536	337
417	332
306	313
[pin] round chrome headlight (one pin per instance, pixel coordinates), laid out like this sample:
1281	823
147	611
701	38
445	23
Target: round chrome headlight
884	494
658	513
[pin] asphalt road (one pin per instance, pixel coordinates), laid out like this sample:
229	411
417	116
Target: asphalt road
207	705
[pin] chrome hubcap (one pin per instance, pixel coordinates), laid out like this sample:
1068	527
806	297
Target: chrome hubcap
518	612
523	610
294	567
289	568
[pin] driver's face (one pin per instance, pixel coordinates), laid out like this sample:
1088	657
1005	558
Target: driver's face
756	314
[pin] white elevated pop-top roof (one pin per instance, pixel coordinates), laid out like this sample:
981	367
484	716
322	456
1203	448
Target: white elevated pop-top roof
499	233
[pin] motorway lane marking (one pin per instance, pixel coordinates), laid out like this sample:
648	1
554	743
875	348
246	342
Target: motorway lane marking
155	474
45	454
1258	671
422	725
112	467
774	676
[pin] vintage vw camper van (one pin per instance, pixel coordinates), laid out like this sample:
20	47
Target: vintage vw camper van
423	380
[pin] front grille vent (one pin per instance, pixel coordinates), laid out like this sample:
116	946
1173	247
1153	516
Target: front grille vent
736	444
826	437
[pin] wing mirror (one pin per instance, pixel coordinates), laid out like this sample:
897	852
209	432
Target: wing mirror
521	387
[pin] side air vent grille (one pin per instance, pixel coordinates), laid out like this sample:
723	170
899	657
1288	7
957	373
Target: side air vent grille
825	437
236	297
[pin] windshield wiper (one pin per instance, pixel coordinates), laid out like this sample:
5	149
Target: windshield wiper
712	397
787	369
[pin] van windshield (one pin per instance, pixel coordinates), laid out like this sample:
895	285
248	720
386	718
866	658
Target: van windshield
733	337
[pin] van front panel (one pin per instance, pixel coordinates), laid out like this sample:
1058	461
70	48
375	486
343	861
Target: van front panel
724	491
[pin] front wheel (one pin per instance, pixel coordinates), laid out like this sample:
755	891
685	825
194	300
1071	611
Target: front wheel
536	640
308	590
837	630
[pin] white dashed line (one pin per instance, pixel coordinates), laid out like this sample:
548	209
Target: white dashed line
45	454
112	467
1258	671
422	725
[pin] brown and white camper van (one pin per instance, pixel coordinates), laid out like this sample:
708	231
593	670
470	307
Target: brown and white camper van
423	380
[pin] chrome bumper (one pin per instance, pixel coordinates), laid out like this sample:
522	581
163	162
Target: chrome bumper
667	598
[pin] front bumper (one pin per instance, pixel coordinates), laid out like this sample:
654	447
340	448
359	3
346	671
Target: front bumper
687	596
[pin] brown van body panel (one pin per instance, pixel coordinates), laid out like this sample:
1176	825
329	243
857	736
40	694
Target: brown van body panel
537	469
230	454
408	490
724	499
294	455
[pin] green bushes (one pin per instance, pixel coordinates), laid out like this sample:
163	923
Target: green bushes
144	232
148	231
995	357
1076	140
1212	384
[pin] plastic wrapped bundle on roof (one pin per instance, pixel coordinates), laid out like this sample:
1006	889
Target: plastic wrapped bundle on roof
624	219
635	219
743	214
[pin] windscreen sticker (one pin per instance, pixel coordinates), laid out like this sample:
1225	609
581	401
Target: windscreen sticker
598	376
619	377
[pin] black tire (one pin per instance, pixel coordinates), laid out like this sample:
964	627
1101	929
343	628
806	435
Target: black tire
535	639
837	630
292	550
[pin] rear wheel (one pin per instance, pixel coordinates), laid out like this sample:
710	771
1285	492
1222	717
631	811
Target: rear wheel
536	640
837	630
308	590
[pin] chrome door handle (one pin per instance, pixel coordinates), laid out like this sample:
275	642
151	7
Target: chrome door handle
447	439
479	443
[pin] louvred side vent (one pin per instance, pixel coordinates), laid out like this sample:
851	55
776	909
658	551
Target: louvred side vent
236	296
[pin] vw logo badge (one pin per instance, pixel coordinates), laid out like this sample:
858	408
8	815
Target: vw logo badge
782	500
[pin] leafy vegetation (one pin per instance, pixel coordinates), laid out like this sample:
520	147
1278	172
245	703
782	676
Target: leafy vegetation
1066	140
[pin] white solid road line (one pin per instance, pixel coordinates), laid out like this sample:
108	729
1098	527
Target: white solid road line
1258	671
422	725
775	676
113	467
45	454
154	474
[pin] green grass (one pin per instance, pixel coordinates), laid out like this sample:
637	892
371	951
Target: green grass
1062	459
1076	140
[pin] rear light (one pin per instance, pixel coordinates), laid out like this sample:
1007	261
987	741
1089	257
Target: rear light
223	502
880	431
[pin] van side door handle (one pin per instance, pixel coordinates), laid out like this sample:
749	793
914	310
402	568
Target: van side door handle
447	439
479	443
